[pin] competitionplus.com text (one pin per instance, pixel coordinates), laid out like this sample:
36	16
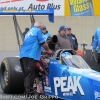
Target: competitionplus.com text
18	97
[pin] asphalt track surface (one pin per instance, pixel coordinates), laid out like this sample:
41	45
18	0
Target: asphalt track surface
17	96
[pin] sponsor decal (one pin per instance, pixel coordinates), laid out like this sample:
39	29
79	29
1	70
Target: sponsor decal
8	1
55	62
41	0
47	89
29	34
42	6
95	75
97	95
32	6
47	81
51	62
81	7
68	84
17	5
46	85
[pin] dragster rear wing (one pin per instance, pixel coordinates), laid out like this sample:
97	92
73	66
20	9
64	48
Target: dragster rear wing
49	12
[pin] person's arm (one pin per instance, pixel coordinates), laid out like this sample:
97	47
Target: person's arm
57	47
23	34
48	39
40	38
95	42
75	40
45	46
43	42
92	39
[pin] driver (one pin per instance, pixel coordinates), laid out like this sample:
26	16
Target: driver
31	52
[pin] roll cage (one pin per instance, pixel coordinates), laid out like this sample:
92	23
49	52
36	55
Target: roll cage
49	12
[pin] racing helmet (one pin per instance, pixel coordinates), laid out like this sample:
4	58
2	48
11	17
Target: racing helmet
64	54
66	58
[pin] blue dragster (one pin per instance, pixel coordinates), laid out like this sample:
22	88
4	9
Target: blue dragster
70	78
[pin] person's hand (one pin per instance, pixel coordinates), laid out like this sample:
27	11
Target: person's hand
50	52
44	52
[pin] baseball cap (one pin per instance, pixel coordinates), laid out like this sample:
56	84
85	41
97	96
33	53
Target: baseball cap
62	28
44	27
68	28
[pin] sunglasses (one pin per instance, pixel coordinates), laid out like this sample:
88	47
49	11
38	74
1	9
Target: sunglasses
43	29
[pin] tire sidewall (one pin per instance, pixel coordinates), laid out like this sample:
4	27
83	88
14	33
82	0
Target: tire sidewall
5	85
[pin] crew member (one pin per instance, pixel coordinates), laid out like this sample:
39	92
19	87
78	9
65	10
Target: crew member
31	52
46	35
92	41
24	33
96	43
72	38
63	41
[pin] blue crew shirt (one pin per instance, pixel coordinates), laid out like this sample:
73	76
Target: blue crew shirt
96	42
31	47
45	36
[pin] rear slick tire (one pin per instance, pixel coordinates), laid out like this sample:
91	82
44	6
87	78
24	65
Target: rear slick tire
11	77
